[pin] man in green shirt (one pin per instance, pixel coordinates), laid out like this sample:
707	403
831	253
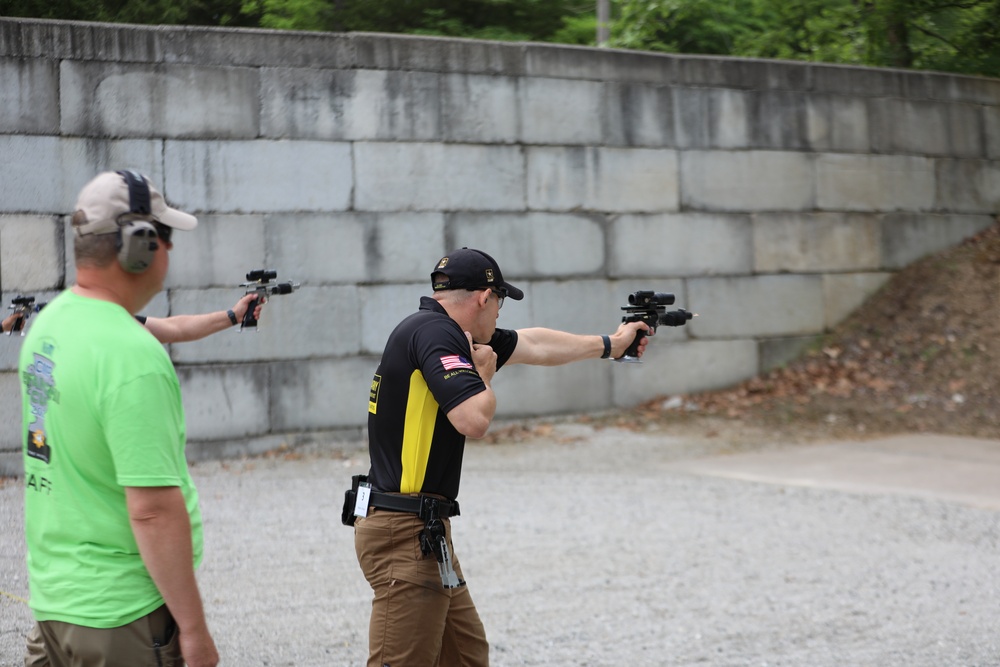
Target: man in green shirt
111	514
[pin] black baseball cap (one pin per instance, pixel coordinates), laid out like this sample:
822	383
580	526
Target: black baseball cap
467	268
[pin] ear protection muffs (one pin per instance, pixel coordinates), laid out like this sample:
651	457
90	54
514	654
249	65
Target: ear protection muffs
137	242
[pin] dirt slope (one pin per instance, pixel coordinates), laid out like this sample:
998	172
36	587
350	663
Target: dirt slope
922	354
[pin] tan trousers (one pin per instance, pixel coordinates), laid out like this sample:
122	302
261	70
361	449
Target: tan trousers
415	621
58	644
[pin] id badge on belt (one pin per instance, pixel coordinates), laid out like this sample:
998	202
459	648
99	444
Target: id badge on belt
361	502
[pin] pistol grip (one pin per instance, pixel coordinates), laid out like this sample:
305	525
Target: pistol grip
249	321
632	351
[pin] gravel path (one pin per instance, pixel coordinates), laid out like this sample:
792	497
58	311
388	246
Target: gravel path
589	548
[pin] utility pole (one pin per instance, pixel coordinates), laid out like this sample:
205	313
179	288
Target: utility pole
603	19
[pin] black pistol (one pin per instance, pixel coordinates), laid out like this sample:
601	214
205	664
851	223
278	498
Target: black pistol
23	306
650	307
259	283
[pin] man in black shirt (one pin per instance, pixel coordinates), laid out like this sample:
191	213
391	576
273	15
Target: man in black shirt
432	390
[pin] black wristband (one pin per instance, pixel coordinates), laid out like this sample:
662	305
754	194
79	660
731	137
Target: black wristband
607	347
232	316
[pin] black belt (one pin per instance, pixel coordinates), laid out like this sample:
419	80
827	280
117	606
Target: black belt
418	505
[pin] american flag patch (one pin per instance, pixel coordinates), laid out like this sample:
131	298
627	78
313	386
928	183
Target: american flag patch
453	361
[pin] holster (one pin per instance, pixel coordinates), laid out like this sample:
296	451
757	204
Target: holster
347	515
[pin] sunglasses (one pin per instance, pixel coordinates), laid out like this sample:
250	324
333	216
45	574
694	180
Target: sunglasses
500	292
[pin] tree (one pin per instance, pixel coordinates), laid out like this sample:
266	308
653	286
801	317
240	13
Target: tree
947	35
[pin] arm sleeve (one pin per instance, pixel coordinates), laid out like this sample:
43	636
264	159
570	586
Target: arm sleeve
445	360
145	432
503	343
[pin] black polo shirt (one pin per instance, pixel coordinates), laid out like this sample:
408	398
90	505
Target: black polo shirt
426	370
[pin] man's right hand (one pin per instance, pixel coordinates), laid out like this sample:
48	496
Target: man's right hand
484	358
198	649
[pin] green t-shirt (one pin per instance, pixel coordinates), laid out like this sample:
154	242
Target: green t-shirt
102	411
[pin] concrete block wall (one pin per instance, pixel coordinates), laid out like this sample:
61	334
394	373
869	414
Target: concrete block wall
771	197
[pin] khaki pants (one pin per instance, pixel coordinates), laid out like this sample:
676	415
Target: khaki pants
415	621
58	644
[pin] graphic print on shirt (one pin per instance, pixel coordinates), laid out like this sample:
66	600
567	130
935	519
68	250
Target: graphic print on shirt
373	394
453	361
41	389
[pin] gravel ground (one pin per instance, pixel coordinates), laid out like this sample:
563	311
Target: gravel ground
586	548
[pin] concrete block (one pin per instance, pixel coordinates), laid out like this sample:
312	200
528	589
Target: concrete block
29	96
991	130
44	175
21	190
746	180
310	322
11	445
219	252
316	248
382	307
815	242
837	124
968	186
225	401
711	118
777	352
856	81
11	463
403	247
423	176
680	244
639	114
434	54
746	307
906	237
258	176
926	128
354	247
564	61
721	72
786	75
534	244
82	159
778	120
321	393
684	368
951	88
560	111
874	182
602	179
972	89
843	293
479	109
349	105
537	390
31	252
221	449
128	100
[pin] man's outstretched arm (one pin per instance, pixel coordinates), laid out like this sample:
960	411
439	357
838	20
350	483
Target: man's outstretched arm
550	347
185	328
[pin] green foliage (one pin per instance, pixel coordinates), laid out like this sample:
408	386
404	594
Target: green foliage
682	26
485	19
581	30
947	35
